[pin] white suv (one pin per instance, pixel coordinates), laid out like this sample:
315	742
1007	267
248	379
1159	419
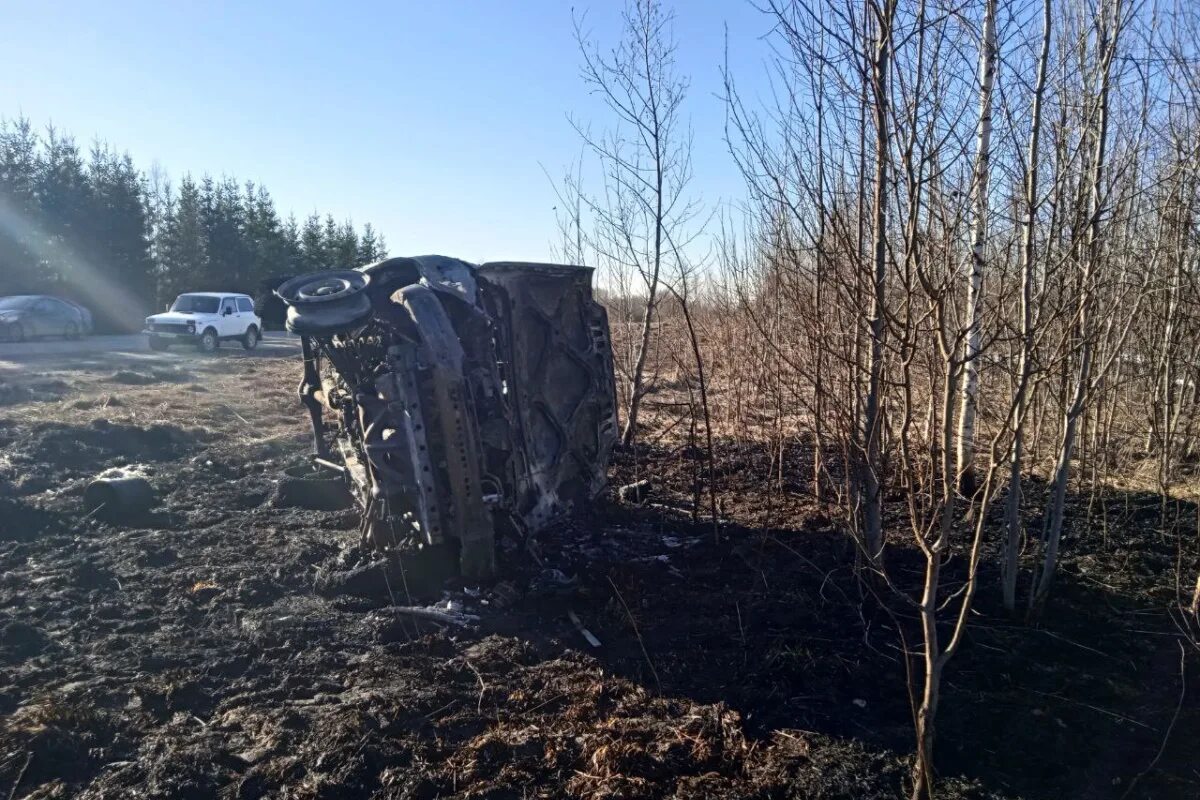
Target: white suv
205	319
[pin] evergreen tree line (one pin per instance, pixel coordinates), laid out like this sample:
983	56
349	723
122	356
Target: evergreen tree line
92	227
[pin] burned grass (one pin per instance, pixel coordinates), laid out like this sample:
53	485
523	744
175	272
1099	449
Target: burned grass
37	390
187	654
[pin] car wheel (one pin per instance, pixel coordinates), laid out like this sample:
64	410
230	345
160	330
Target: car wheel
208	341
17	332
158	344
250	340
72	331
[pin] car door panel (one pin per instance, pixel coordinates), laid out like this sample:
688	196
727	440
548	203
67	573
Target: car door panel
63	318
41	320
228	321
246	309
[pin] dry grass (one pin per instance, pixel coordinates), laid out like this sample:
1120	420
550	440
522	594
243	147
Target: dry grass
250	399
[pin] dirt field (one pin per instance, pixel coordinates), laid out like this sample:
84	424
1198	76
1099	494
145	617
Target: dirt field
190	654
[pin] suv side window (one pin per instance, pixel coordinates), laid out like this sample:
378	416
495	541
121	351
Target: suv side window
245	304
227	306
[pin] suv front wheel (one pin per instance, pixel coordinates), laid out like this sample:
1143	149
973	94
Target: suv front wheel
250	339
208	341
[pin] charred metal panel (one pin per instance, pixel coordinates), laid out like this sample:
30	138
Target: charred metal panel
558	369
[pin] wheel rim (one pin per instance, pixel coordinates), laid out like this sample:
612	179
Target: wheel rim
209	341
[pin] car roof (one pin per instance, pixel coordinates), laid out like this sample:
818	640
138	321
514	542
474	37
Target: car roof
214	294
35	297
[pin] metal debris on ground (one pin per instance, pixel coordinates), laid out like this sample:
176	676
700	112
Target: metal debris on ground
636	492
118	493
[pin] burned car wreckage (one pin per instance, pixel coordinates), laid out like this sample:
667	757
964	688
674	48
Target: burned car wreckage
458	401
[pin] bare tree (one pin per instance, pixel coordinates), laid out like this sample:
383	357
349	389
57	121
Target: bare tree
646	161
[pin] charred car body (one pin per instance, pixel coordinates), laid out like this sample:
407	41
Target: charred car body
459	400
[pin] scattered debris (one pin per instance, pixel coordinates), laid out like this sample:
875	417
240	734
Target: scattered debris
312	487
504	594
637	492
446	616
118	495
552	581
591	638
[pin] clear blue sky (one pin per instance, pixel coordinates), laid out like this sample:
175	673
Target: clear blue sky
428	119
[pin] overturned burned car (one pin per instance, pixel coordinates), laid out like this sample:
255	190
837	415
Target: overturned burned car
459	401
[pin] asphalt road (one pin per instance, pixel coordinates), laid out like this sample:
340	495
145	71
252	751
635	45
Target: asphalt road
274	344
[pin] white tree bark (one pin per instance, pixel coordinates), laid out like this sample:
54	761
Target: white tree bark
979	189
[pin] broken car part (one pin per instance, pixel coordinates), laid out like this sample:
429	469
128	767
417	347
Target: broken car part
115	497
461	400
318	486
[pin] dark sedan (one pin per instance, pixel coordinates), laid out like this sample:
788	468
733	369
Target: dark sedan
28	316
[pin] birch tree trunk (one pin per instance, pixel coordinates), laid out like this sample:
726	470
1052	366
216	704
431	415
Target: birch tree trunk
1012	511
979	187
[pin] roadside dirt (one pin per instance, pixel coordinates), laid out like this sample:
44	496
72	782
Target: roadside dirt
187	654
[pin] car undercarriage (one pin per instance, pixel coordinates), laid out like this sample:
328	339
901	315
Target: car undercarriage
459	401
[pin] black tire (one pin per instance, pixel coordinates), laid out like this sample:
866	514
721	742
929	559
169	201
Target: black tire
72	331
157	344
313	489
250	339
17	332
208	341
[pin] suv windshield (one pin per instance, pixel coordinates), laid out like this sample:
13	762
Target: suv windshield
195	304
14	303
